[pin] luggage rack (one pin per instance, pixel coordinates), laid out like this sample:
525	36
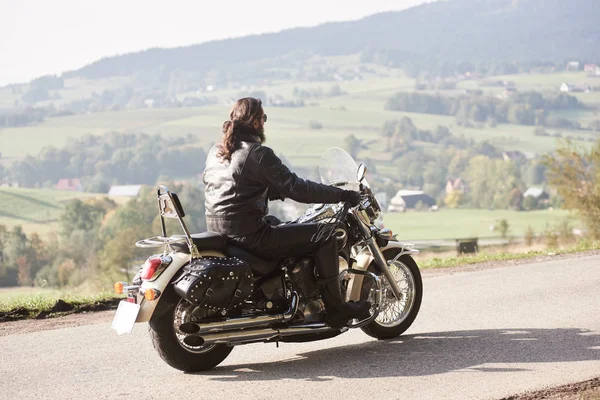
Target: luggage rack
169	206
158	241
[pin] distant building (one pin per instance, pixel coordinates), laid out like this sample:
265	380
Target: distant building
565	87
125	190
516	156
573	66
506	93
407	199
590	68
453	185
542	198
537	193
72	185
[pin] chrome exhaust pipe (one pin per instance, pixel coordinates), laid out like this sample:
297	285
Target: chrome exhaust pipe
253	335
260	321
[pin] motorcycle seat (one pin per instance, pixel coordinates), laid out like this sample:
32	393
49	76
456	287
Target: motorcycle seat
259	266
204	241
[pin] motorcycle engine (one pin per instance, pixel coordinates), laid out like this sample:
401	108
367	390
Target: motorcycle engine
274	295
302	274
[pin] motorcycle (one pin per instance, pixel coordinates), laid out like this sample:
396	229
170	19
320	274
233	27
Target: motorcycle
202	295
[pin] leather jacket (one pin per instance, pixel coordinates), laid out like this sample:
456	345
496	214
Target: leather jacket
237	192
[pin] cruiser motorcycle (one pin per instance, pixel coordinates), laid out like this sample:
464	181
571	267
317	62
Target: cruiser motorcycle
202	295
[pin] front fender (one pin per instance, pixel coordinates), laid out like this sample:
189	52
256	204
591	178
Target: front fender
147	308
365	258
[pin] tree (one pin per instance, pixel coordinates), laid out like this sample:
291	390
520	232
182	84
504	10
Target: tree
335	90
119	255
24	271
14	245
529	236
354	145
315	125
434	178
35	95
64	272
420	206
515	198
491	182
80	216
540	131
575	173
503	228
453	199
530	203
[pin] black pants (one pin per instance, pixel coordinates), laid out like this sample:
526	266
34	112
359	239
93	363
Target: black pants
292	240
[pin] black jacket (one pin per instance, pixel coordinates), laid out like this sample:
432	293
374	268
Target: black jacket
237	192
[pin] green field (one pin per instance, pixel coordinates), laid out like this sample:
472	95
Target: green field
466	223
36	210
359	111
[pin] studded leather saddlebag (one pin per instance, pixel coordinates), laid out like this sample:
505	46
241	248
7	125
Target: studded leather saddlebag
218	283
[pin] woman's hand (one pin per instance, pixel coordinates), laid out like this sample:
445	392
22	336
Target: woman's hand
351	197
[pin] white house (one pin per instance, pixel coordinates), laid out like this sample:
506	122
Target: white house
565	87
405	199
125	190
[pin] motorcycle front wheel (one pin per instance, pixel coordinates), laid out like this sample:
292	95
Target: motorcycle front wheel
395	315
167	339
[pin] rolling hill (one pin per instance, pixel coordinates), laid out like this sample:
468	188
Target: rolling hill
447	31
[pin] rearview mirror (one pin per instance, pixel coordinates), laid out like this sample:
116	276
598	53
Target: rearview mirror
362	171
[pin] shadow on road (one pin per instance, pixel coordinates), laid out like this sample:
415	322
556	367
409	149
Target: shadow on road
425	354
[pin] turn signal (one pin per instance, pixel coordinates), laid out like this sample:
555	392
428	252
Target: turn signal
386	234
120	287
151	294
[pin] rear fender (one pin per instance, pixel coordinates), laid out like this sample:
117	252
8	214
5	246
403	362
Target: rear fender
365	258
148	308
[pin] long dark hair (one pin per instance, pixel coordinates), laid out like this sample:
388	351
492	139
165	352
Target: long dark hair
241	120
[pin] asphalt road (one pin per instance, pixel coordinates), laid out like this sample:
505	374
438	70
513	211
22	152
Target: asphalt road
485	334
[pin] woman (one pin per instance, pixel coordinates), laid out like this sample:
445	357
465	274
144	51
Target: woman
241	175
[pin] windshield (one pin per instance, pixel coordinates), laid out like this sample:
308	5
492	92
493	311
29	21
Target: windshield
338	168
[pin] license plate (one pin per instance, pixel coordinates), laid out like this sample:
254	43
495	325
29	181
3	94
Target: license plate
125	317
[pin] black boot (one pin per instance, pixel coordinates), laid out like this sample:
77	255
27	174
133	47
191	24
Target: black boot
338	311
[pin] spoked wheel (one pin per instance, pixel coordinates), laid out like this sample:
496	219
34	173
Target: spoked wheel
168	340
395	315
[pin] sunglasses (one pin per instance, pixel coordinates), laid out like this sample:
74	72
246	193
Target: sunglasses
264	117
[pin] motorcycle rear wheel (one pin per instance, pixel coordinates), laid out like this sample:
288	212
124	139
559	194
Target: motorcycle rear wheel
167	340
395	316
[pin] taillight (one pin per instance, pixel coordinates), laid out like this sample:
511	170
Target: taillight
150	267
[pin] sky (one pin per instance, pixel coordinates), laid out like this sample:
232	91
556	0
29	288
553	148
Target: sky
40	37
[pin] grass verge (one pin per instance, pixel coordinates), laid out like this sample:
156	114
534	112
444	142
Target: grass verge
447	262
53	304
